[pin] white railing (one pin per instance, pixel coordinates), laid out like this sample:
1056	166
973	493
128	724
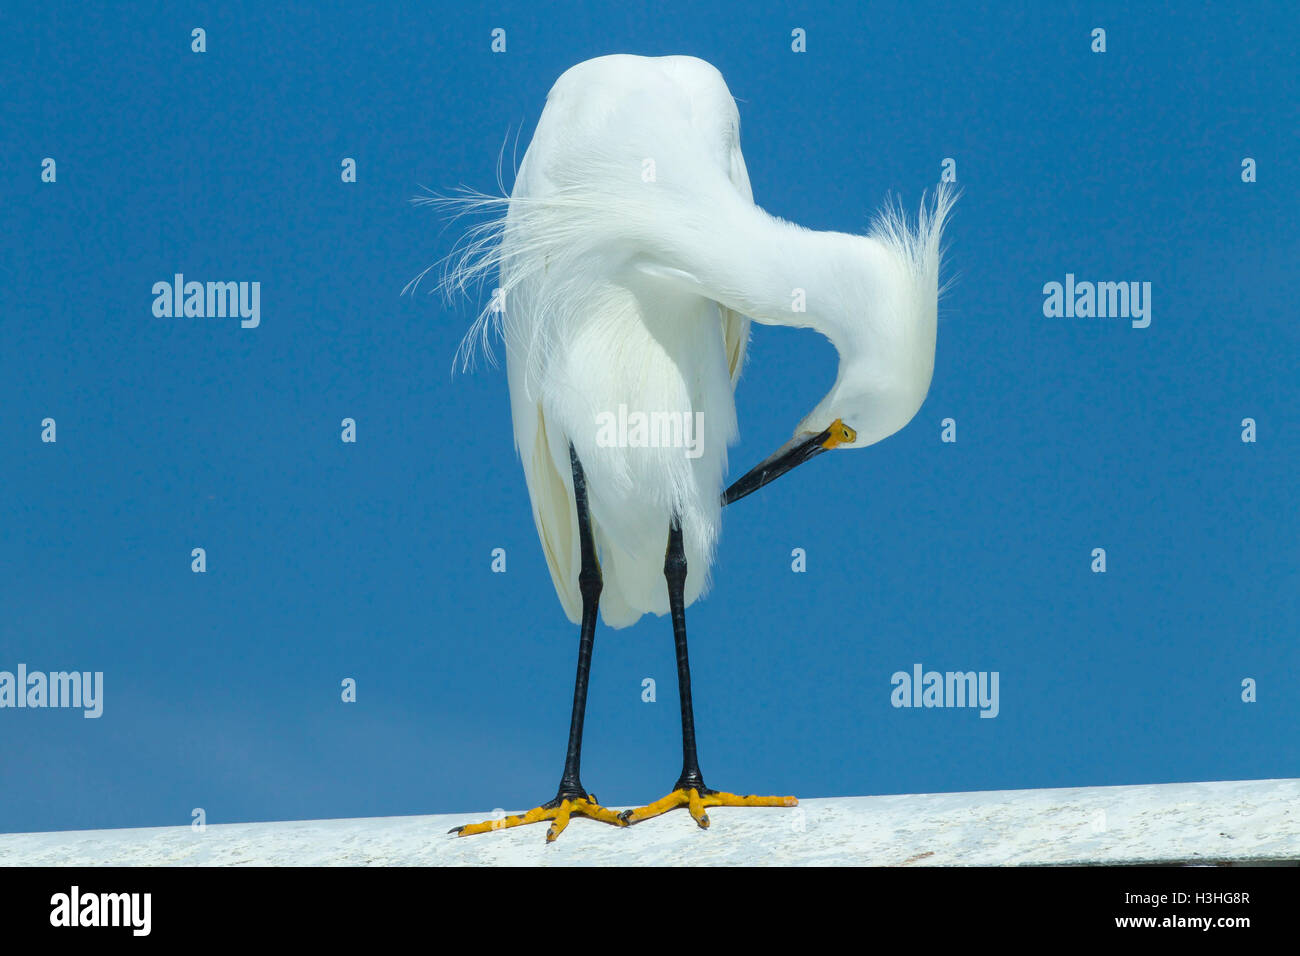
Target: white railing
1230	822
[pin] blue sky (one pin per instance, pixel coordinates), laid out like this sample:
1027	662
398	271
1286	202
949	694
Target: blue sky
372	561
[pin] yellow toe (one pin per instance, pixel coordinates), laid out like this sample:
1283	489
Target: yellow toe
696	807
733	800
671	802
697	804
558	822
558	815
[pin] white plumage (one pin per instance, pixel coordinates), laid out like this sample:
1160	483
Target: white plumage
629	255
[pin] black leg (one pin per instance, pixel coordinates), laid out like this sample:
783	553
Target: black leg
590	584
690	791
572	799
675	574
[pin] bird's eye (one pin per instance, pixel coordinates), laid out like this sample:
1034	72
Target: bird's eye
839	434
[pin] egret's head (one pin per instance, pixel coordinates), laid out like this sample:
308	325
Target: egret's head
882	318
864	407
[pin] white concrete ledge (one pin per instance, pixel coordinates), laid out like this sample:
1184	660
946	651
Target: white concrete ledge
1232	822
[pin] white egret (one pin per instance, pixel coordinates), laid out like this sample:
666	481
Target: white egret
631	257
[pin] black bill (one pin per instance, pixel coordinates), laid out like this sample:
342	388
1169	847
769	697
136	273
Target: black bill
793	453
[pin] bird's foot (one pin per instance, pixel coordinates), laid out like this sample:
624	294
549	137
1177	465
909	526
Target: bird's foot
698	800
558	811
